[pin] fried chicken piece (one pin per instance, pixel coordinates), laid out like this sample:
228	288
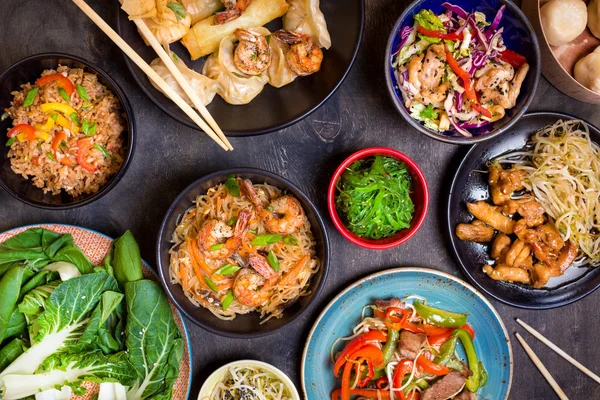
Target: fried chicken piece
476	231
508	274
492	216
532	212
500	246
518	255
504	182
540	275
545	240
566	257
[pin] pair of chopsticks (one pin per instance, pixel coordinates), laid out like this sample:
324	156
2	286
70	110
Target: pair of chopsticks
213	130
561	394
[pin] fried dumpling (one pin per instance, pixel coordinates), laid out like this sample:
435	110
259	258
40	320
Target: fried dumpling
305	16
234	87
205	87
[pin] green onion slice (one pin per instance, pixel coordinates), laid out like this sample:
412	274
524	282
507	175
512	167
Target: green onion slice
30	97
227	300
103	149
273	261
63	94
227	269
290	240
211	284
232	186
82	93
4	116
216	247
10	141
51	157
266	239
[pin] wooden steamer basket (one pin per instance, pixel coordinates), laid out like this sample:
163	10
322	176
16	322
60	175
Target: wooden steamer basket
558	62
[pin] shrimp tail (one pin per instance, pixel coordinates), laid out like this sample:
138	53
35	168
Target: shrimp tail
288	37
261	265
242	224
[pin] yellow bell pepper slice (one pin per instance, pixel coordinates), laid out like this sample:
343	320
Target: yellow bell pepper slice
21	137
45	127
60	107
65	123
42	136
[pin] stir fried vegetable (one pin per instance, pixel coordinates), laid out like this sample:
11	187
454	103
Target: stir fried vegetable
373	197
249	382
408	349
455	72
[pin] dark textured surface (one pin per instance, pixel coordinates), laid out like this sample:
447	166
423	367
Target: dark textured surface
169	156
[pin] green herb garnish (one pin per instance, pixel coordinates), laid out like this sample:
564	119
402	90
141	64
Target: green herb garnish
30	97
51	157
88	128
10	141
73	117
232	186
63	145
373	197
82	93
178	9
216	247
4	116
290	240
227	300
273	261
101	148
227	269
54	116
63	94
211	284
253	231
266	239
232	221
429	113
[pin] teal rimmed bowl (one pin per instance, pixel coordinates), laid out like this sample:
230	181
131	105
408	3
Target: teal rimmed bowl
441	290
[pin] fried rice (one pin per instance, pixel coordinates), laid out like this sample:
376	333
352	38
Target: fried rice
90	151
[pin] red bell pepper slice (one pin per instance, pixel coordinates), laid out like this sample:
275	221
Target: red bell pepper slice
58	138
27	130
372	356
61	80
382	383
404	367
439	34
514	59
438	340
366	393
84	146
354	345
469	329
432	368
346	381
466	78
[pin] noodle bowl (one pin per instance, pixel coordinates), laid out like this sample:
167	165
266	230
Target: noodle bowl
195	269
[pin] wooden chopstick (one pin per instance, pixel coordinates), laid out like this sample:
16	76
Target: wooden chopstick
187	88
560	352
542	369
190	112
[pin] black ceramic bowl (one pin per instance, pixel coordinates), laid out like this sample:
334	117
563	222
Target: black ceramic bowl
273	108
249	325
28	70
470	185
518	36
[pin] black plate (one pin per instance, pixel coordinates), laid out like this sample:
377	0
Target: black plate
244	326
273	108
470	185
28	70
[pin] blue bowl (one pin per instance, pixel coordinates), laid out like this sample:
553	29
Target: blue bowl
518	35
442	290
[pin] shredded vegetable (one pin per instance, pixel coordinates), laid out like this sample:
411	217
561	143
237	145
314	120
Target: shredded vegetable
374	197
563	172
249	383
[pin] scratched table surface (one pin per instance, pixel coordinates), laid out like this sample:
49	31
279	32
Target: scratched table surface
169	156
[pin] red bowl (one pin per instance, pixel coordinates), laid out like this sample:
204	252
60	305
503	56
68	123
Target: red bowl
419	196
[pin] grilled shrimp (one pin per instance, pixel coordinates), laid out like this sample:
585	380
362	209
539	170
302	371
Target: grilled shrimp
234	8
304	56
250	288
261	265
253	53
248	190
284	215
215	232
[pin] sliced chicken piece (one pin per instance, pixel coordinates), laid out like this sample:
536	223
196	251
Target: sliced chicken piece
508	274
500	246
540	275
518	255
566	257
414	68
433	67
492	216
494	76
532	212
477	231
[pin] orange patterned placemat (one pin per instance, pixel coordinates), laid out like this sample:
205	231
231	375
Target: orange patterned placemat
96	245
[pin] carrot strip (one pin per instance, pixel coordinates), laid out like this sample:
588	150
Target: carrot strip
296	269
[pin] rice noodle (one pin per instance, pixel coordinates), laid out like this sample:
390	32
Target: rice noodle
563	172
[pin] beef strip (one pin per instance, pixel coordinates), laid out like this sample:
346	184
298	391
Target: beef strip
410	344
445	387
466	395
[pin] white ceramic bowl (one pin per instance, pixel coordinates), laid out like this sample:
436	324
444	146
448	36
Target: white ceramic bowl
216	377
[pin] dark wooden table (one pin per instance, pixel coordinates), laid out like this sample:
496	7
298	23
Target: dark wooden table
169	156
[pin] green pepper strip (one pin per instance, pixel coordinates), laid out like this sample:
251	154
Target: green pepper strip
474	382
390	346
438	317
447	351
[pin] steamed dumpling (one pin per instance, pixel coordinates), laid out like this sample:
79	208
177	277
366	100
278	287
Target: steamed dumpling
594	17
234	87
563	20
305	16
587	71
201	9
279	73
205	87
